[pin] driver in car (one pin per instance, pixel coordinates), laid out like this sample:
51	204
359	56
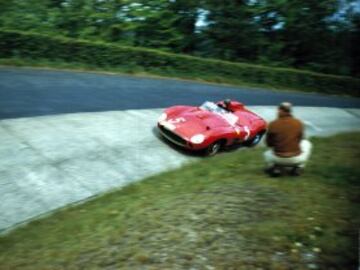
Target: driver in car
226	104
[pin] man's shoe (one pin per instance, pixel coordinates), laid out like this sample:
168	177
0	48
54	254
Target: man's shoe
276	172
273	171
296	171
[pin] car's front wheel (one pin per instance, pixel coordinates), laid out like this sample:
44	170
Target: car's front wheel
213	148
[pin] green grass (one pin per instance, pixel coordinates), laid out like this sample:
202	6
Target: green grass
217	213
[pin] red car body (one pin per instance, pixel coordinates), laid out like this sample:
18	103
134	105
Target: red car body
211	126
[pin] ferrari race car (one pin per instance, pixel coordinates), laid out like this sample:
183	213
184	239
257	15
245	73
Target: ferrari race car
211	126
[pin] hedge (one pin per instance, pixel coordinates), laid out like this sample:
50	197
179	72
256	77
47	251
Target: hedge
37	46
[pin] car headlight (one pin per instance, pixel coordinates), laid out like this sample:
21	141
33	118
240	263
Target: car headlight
197	139
162	117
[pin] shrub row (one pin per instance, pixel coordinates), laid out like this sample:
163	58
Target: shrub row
98	54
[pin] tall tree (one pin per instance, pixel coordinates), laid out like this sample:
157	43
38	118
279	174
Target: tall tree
355	45
25	15
269	23
231	32
186	15
162	23
305	31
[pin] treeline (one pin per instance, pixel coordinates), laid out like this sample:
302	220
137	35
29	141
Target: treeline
318	35
27	45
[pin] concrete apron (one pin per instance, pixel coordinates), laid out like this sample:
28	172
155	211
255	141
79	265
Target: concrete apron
51	161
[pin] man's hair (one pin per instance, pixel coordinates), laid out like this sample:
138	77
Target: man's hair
285	106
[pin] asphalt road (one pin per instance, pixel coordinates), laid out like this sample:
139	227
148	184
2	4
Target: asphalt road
27	92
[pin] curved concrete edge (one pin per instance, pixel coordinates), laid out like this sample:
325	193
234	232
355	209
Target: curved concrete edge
49	162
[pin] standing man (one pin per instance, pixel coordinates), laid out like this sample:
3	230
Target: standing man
285	138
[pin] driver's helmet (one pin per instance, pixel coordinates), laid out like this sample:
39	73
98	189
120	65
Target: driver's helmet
232	105
227	103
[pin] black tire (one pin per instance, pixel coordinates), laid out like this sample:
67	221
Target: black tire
213	148
254	140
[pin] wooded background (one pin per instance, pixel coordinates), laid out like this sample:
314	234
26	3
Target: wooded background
316	35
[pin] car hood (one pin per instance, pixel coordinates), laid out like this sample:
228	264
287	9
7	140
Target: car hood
196	121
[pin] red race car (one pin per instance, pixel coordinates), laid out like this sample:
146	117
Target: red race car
211	126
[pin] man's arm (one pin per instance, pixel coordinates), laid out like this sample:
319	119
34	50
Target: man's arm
301	133
270	139
270	136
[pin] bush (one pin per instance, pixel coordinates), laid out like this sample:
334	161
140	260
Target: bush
99	54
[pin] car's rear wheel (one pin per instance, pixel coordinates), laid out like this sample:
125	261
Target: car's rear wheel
213	148
254	140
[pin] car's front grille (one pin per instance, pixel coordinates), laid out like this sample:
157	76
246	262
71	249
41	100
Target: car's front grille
172	136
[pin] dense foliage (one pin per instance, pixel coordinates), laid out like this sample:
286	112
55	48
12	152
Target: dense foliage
320	35
99	54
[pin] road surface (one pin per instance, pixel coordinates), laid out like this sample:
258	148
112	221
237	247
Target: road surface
26	92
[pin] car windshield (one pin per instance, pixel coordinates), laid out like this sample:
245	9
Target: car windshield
214	108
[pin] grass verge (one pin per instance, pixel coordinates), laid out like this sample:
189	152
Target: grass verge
218	213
